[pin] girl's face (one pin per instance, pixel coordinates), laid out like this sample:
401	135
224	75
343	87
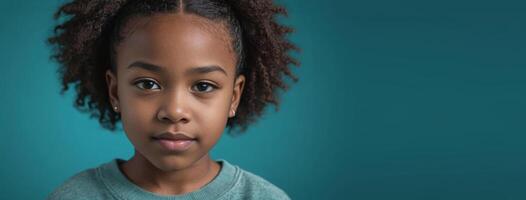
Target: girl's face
175	73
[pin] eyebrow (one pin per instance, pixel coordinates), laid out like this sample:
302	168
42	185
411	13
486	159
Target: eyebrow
194	70
145	66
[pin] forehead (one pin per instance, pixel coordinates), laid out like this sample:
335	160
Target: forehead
176	40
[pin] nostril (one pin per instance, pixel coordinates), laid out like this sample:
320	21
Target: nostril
168	119
177	116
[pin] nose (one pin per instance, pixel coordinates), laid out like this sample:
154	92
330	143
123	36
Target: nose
174	107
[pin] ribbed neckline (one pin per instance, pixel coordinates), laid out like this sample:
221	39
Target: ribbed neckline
123	188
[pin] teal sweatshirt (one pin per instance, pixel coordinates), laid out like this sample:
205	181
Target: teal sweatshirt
107	182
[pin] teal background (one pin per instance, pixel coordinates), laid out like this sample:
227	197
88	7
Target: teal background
396	100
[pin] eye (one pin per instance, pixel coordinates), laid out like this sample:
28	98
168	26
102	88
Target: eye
204	87
147	84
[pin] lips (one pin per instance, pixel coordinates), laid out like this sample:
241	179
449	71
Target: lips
174	136
174	142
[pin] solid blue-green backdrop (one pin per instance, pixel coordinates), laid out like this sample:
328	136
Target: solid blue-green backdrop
396	100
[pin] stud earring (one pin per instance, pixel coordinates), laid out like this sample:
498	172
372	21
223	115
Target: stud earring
115	108
233	113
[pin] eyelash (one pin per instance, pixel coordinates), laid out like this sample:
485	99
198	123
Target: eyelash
210	85
138	83
214	87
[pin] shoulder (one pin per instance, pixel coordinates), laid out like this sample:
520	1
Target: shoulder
82	185
253	186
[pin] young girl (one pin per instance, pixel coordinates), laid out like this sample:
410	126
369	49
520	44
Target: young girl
176	72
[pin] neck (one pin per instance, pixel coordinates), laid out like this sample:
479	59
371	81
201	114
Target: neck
147	176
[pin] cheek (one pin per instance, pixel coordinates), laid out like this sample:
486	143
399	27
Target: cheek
212	117
212	113
136	115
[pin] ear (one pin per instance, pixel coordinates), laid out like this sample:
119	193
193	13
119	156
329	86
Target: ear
111	82
236	95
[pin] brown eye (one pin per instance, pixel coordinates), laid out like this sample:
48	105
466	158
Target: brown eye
204	87
146	84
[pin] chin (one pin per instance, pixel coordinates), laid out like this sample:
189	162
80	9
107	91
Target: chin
171	162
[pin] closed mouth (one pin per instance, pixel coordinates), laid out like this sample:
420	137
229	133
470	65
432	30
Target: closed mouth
174	142
173	136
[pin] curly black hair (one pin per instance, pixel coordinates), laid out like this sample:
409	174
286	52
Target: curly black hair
84	42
